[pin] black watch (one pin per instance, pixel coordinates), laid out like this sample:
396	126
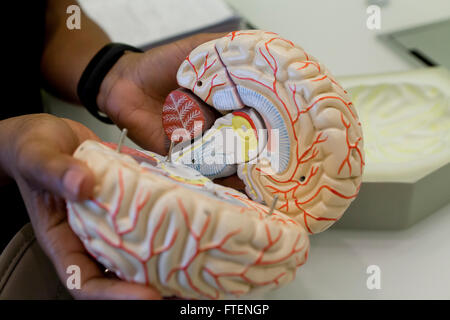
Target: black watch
95	72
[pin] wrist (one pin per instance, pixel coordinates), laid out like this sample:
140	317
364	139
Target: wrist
93	76
119	71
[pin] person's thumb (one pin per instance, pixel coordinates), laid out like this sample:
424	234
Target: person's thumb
48	168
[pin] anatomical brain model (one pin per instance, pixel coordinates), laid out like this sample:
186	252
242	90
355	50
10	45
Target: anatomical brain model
284	125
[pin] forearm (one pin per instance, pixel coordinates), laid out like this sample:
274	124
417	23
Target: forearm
67	52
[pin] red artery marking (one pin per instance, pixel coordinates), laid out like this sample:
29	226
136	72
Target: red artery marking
350	147
285	40
100	204
94	253
247	117
139	204
278	38
119	202
260	262
337	84
235	34
334	82
206	67
262	210
213	86
198	249
319	79
307	63
138	209
332	190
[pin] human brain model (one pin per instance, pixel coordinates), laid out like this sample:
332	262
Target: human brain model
166	225
291	132
290	129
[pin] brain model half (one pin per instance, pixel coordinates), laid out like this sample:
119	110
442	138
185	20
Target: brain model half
166	225
288	128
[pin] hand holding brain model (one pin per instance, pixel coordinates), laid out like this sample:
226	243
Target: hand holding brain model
295	137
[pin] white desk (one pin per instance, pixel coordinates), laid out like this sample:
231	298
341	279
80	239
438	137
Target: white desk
414	263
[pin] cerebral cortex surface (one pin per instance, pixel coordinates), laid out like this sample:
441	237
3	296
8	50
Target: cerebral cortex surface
294	131
166	225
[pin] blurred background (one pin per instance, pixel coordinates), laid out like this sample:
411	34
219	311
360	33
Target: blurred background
397	50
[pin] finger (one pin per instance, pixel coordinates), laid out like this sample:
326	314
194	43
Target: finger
81	132
93	283
112	289
65	249
46	167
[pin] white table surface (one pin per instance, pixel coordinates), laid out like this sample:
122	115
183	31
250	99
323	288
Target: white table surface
415	262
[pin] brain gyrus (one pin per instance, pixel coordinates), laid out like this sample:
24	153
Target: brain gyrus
318	146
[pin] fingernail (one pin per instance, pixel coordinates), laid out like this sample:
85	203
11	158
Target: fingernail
72	182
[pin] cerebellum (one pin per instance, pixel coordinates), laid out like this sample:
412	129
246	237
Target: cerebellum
184	110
